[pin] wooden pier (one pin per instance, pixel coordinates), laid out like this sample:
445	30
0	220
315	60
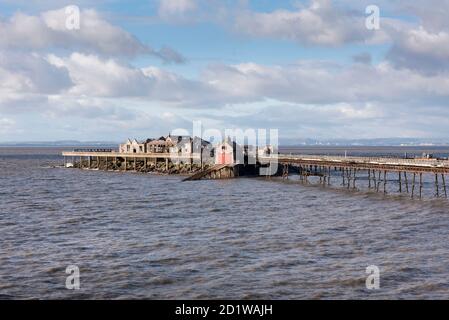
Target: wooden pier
408	176
112	160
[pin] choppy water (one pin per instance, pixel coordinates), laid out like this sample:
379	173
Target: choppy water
146	236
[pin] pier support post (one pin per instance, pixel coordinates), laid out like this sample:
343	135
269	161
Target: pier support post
413	184
355	178
437	187
406	182
349	172
444	185
378	182
369	178
420	185
400	182
285	171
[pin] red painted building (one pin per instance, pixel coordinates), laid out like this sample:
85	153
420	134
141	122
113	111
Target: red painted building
225	153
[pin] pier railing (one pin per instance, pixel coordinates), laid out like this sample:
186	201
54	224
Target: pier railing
103	150
428	163
105	153
368	160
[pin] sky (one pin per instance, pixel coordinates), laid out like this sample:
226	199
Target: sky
143	68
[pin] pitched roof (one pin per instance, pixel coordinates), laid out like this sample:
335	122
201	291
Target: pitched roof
160	142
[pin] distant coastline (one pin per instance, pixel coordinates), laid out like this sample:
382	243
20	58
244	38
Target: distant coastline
59	144
286	142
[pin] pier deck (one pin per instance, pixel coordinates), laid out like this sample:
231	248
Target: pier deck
365	163
114	154
375	171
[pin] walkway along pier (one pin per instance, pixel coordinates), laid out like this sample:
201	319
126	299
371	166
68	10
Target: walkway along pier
386	175
105	159
378	174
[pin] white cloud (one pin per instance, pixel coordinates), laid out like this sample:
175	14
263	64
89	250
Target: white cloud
432	14
175	7
93	76
81	75
320	23
96	35
422	50
321	83
99	77
89	80
30	73
6	125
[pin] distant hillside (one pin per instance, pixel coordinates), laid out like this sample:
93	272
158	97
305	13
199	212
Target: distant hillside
365	142
283	142
62	143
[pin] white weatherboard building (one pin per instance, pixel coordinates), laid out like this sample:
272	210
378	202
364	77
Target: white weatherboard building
132	146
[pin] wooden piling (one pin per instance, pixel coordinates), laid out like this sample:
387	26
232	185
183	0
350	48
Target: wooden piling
437	187
378	181
420	185
349	177
406	181
444	184
369	178
354	179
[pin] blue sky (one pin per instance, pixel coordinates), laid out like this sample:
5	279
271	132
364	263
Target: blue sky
143	68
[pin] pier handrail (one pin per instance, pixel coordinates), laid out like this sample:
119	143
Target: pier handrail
373	160
93	150
115	153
